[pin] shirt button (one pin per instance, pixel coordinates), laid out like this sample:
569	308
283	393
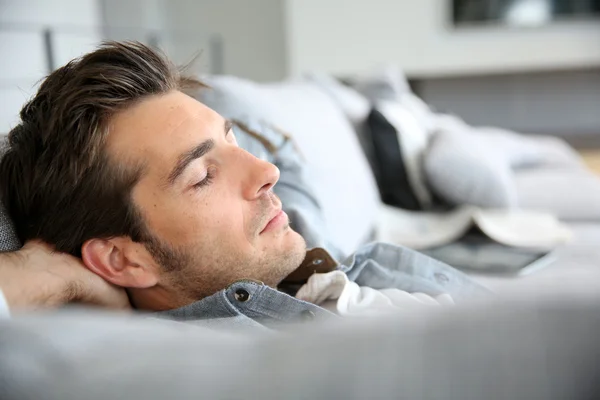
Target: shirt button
441	278
242	295
308	315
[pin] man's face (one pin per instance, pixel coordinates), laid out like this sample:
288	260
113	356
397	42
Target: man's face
208	203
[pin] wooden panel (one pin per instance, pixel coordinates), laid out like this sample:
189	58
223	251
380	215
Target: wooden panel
592	159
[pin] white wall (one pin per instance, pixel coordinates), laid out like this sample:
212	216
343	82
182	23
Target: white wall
128	15
248	35
146	21
22	45
44	12
252	32
349	37
270	39
345	37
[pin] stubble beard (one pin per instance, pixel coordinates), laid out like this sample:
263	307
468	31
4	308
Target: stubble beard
187	278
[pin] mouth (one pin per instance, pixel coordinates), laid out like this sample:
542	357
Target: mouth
278	219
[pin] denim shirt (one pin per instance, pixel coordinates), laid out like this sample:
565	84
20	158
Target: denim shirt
377	265
249	303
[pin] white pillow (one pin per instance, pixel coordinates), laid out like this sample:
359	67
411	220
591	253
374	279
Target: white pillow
462	170
387	83
391	85
354	105
413	140
341	176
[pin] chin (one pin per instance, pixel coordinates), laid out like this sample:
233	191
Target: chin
282	257
285	244
298	239
294	246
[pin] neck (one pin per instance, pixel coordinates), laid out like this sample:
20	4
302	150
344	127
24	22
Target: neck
156	298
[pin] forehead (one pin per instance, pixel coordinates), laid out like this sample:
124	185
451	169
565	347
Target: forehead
159	128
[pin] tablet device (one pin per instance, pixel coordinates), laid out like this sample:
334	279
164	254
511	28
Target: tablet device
476	252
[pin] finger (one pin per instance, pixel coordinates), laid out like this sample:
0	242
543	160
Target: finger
105	294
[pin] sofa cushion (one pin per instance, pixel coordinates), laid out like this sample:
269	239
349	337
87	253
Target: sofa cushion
391	84
8	237
355	107
555	152
468	172
9	240
399	143
569	193
476	165
341	176
353	104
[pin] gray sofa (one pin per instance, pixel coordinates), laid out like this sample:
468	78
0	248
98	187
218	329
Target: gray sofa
543	349
536	340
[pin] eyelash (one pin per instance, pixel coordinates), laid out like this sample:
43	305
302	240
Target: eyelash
206	181
210	174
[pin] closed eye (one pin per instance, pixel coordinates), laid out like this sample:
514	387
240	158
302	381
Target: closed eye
210	175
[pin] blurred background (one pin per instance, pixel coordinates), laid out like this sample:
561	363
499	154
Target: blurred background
527	65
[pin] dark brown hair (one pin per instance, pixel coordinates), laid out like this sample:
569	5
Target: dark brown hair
57	181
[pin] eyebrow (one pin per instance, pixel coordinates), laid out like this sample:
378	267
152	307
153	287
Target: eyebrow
197	152
227	126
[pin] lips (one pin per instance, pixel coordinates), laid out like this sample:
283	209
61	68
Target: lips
273	219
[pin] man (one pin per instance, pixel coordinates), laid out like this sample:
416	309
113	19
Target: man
113	163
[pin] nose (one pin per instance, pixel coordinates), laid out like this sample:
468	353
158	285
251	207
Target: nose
260	178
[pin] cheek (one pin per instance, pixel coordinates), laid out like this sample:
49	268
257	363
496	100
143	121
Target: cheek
192	219
222	216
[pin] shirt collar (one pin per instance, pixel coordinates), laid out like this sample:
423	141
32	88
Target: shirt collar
317	260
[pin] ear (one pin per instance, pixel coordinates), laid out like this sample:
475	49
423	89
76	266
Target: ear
121	262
